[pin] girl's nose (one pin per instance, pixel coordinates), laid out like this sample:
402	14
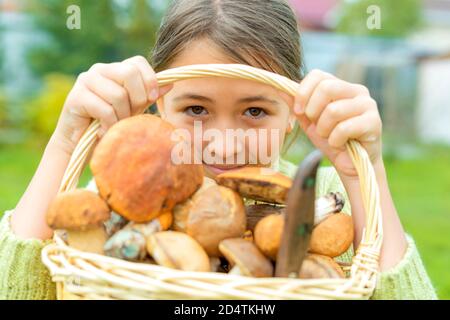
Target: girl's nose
225	148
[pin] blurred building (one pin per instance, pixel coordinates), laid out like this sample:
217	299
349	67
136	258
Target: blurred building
407	76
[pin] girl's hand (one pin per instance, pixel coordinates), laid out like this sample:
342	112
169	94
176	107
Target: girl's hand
332	111
108	92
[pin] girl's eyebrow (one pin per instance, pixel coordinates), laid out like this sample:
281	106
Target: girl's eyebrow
257	98
194	97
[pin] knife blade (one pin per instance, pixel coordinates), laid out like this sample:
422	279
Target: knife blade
299	218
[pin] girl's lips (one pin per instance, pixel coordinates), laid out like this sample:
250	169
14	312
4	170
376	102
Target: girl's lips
218	169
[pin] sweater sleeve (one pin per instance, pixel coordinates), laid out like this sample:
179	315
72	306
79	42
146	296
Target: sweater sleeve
22	274
408	279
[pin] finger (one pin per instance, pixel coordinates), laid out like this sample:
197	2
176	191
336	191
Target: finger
364	128
148	75
330	90
306	88
95	107
339	111
128	76
110	91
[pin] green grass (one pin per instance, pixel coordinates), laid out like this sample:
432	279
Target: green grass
420	187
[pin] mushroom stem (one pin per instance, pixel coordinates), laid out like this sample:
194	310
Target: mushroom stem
236	271
215	264
327	205
130	242
114	223
91	240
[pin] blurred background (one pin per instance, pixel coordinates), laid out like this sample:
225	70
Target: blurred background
404	61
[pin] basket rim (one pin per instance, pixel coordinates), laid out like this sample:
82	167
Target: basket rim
365	263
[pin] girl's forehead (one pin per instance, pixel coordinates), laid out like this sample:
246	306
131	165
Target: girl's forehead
204	51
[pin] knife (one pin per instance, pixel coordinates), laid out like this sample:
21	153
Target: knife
299	218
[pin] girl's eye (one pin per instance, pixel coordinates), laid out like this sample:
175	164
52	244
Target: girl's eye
195	111
255	112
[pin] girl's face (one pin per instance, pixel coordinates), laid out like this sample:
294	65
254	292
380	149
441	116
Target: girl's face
227	105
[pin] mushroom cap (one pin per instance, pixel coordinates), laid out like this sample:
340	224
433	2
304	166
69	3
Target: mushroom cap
257	183
77	210
333	236
268	233
210	216
177	250
247	257
317	266
133	169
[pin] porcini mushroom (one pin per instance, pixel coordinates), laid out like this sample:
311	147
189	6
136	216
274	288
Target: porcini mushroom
333	236
177	250
338	236
82	214
130	242
210	216
317	266
245	258
134	172
262	184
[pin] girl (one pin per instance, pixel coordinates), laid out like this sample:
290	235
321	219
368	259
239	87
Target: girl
259	33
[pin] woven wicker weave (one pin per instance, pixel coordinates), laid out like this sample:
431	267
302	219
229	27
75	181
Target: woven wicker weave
81	275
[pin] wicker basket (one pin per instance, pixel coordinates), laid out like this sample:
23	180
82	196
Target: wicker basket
81	275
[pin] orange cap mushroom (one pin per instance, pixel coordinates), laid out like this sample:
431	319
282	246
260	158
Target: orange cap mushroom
81	213
133	169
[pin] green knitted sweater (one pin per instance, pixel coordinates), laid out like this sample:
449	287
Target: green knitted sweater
23	276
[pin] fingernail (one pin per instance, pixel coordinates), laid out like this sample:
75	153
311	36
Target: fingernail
298	108
154	93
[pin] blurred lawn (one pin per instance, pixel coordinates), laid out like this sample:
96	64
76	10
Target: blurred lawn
420	187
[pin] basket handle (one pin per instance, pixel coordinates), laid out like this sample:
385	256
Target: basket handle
372	235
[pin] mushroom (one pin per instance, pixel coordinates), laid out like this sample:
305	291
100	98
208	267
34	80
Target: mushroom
333	236
329	237
245	258
82	214
210	216
134	172
317	266
177	250
262	184
130	242
268	233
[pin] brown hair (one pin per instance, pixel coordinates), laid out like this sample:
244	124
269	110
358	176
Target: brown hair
262	33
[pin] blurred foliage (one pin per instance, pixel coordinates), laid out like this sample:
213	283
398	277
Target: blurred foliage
108	33
3	113
43	111
398	18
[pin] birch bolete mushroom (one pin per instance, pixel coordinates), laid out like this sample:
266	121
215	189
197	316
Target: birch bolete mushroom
134	172
210	216
130	242
339	231
317	266
257	183
81	213
245	258
177	250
